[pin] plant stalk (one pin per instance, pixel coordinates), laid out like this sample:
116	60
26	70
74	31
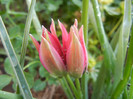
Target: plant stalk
77	82
26	33
73	88
66	88
84	20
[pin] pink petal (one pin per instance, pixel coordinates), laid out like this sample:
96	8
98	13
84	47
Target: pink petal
81	35
52	28
56	44
53	40
64	38
64	31
50	59
75	57
76	23
35	42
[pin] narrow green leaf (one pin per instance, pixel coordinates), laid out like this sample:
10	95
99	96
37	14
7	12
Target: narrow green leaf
128	67
123	42
114	40
36	22
14	61
4	80
26	33
8	95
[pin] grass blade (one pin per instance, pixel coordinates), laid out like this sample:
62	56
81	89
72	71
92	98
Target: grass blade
26	33
36	21
14	61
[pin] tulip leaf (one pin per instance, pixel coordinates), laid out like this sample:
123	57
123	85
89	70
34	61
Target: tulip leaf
123	42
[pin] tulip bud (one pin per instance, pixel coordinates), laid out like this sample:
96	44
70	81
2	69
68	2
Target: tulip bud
75	56
71	57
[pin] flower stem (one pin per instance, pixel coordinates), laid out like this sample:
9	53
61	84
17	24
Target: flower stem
72	86
66	88
78	87
84	19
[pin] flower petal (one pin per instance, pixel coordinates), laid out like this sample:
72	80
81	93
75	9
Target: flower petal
75	58
76	23
65	38
81	37
53	41
50	59
64	31
35	42
52	28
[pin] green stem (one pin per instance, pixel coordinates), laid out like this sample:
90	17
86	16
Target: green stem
26	33
78	87
84	86
131	87
8	95
128	67
84	19
72	86
30	64
66	88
